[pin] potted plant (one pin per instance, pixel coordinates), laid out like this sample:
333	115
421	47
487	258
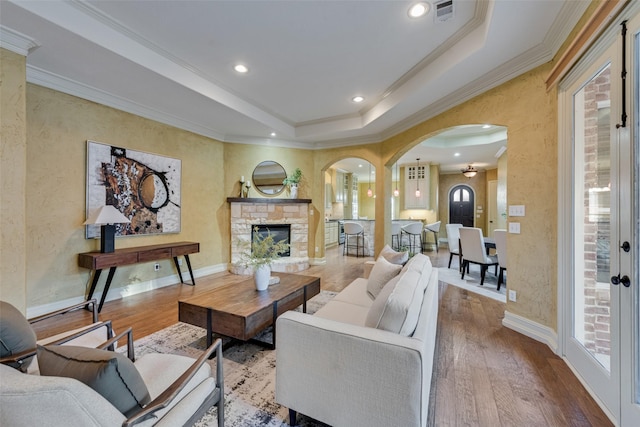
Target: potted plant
264	250
292	181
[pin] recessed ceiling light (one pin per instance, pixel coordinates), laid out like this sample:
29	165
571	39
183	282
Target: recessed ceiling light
357	99
359	166
418	9
456	154
486	126
273	134
241	68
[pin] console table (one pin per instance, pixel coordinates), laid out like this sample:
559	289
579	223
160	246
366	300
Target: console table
97	261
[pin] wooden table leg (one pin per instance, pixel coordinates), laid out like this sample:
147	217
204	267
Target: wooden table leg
273	329
94	282
193	281
175	261
112	271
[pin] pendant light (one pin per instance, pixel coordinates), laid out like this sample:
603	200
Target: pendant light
470	171
418	178
369	191
396	192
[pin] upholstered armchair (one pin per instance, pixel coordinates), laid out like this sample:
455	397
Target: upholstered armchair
86	386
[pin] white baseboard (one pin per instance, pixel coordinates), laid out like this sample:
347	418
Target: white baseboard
317	261
534	330
125	291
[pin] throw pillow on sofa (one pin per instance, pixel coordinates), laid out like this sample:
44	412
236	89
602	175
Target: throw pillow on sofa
111	374
394	257
397	307
381	273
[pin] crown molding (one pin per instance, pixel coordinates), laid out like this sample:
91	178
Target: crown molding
53	81
16	42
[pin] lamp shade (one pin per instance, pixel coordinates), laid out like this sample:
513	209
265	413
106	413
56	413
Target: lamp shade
107	214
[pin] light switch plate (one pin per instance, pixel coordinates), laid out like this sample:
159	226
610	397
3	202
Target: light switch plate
516	210
514	227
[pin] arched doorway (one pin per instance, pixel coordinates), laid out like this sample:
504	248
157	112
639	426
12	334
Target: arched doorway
461	205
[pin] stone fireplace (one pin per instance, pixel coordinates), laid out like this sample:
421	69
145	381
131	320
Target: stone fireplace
246	213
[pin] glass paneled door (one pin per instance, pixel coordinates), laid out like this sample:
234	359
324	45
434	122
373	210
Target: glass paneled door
599	225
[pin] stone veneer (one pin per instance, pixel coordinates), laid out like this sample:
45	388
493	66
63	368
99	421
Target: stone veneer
248	212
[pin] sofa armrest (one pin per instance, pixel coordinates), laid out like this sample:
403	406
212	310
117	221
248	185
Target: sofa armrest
345	374
368	266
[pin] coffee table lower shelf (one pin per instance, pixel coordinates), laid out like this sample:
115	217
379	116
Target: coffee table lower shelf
237	310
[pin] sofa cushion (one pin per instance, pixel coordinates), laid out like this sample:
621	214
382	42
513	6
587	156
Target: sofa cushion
356	293
111	374
393	256
381	273
16	334
344	312
397	307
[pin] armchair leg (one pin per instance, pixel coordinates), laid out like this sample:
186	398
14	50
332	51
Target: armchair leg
483	272
450	258
293	418
464	265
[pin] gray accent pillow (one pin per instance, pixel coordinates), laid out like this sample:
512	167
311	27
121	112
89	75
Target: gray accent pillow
111	374
393	256
381	273
16	334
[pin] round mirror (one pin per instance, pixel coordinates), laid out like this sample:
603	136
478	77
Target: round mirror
268	176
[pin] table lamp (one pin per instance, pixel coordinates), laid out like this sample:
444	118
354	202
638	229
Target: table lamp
106	217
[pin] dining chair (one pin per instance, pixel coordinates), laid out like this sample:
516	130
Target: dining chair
434	227
353	230
395	235
472	246
453	240
500	236
413	231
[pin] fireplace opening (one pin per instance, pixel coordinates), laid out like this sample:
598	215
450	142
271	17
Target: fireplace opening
278	231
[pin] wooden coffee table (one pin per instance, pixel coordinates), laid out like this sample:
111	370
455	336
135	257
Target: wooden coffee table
237	310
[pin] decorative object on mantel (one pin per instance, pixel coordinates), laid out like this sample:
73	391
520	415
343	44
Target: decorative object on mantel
107	216
242	186
264	249
292	182
247	188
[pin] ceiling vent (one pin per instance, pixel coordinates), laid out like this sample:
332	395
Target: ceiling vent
444	10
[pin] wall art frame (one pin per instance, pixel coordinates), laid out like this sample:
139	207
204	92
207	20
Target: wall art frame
145	187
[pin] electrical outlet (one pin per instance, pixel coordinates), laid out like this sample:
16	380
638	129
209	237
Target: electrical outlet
512	295
317	249
156	266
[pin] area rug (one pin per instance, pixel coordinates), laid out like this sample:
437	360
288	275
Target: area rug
249	373
471	281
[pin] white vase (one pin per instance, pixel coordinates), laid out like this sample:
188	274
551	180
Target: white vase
294	191
261	277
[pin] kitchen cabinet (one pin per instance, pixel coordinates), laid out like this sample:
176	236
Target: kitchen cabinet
416	177
331	232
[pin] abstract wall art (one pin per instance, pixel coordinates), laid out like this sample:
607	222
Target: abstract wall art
145	187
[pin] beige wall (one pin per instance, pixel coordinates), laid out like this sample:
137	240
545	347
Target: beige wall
58	126
13	172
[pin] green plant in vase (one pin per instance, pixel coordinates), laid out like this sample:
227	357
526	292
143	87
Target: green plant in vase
264	250
292	182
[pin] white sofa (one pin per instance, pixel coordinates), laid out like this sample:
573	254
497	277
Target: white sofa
333	368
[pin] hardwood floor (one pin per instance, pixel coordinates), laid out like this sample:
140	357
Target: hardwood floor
484	374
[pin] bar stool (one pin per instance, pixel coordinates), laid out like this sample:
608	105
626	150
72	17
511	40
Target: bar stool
435	229
413	231
353	229
395	234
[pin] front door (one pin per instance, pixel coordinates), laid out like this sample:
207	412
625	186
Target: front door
461	203
598	256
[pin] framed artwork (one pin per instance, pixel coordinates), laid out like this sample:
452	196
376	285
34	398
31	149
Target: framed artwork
145	187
